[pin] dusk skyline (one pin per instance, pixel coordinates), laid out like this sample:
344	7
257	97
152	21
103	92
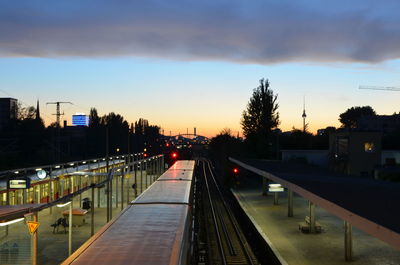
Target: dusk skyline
185	64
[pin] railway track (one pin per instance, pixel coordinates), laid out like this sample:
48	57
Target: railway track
226	242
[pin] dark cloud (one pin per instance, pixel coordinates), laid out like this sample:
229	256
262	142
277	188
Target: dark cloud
241	31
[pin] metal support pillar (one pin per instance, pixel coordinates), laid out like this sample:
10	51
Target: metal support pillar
92	214
70	229
276	198
116	191
141	176
312	217
50	189
264	186
98	193
348	241
111	191
80	187
122	189
108	201
135	169
146	169
34	241
290	203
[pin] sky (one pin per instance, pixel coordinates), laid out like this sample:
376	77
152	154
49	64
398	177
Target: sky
184	64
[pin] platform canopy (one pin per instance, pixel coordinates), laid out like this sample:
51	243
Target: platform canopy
11	212
368	204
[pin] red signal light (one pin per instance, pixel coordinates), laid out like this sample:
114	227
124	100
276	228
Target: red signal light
235	170
144	155
174	155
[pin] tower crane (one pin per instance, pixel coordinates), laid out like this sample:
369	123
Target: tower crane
58	113
380	88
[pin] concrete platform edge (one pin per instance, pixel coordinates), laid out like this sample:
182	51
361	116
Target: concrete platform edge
265	237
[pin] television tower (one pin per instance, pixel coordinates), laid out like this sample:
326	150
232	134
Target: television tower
304	114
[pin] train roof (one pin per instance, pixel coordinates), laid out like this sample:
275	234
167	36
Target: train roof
177	174
142	234
174	191
183	164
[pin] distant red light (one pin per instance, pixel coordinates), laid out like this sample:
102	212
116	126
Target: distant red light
174	155
235	170
144	155
167	144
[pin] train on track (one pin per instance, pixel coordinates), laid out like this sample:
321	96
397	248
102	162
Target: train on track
154	229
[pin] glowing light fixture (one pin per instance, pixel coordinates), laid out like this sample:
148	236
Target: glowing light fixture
63	204
12	221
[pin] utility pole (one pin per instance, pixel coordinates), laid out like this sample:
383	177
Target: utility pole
57	137
58	112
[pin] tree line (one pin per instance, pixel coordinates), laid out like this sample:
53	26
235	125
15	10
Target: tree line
27	142
263	139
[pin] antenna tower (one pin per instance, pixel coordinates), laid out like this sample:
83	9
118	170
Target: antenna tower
58	113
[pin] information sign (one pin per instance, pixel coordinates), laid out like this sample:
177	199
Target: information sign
22	183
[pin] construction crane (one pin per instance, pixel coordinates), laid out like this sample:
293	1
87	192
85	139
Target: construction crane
380	88
58	113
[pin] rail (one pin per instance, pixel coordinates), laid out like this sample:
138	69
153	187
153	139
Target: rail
232	245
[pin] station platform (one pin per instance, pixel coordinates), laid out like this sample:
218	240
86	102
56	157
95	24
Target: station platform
296	248
15	240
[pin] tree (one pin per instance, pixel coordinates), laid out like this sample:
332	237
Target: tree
261	115
350	117
94	119
222	146
258	121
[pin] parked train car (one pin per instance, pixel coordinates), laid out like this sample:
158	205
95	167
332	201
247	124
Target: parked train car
154	229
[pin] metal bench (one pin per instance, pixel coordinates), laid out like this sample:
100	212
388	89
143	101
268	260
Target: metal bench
305	226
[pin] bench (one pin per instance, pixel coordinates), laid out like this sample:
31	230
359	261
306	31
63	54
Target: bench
305	226
62	222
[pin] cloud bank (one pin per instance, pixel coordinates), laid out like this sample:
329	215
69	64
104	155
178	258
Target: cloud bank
262	32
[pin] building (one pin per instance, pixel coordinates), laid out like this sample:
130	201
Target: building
379	123
355	153
8	111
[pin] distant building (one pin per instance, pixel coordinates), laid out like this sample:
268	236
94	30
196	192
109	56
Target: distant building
8	111
379	123
355	153
80	119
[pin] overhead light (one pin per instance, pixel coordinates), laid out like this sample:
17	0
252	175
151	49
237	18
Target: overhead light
64	204
57	166
38	169
12	221
275	185
16	172
84	162
275	188
71	164
104	159
95	160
